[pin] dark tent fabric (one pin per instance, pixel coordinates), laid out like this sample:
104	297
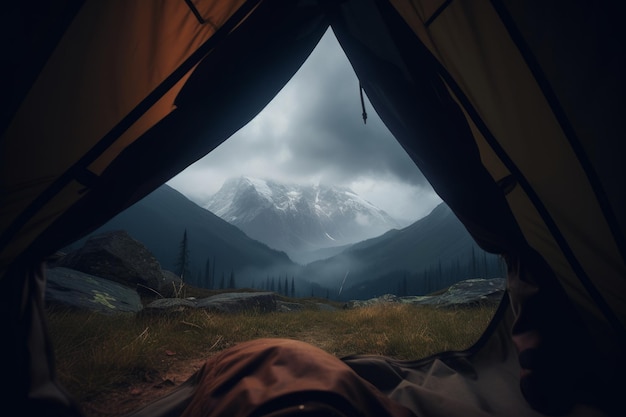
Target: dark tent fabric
511	110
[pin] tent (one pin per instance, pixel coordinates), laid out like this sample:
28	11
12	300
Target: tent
511	109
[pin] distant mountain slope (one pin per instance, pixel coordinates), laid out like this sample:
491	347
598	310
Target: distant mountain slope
438	241
297	219
432	252
160	219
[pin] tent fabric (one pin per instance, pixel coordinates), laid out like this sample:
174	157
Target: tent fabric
410	96
554	178
510	109
482	381
280	377
92	63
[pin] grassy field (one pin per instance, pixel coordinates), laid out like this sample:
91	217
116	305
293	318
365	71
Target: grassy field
99	356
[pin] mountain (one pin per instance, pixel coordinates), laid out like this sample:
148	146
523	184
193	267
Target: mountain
432	253
160	220
300	220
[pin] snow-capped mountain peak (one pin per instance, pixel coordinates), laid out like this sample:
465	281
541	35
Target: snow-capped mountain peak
296	218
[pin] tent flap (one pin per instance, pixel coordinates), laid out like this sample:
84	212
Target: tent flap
512	110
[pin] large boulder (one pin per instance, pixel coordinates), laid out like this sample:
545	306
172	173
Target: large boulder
77	290
118	257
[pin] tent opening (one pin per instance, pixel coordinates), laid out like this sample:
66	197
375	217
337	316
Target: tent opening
381	290
511	110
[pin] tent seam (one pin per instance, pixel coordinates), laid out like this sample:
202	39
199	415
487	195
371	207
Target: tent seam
437	12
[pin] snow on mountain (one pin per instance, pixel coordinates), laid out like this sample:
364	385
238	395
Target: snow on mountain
298	219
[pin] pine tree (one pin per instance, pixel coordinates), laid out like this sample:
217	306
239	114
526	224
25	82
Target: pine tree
474	264
182	264
440	274
222	282
402	287
286	287
484	264
208	281
293	289
231	281
280	288
213	273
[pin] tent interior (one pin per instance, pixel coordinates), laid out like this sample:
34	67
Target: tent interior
512	111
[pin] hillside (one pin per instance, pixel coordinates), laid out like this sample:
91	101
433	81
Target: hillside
432	253
437	248
160	220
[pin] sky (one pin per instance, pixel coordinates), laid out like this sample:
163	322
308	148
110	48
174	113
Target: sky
312	133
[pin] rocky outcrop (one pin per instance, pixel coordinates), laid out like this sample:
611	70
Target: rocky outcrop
118	257
469	292
383	299
259	302
81	291
170	305
462	294
288	307
233	302
110	271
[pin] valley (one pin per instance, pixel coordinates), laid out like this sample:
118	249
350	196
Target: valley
266	218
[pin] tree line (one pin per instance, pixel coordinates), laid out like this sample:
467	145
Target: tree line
438	275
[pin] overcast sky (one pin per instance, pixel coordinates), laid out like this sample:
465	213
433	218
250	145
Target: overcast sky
313	132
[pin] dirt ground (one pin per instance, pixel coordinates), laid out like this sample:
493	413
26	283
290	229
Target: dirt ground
128	399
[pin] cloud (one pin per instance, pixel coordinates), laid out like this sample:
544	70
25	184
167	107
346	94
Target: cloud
313	132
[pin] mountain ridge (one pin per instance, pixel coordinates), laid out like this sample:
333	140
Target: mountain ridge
437	248
431	253
298	219
160	220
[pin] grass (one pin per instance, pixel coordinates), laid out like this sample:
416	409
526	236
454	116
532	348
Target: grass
97	354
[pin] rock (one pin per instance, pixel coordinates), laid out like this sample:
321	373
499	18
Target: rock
232	302
82	291
118	257
287	307
325	307
171	284
383	299
462	294
261	302
419	299
169	305
471	292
